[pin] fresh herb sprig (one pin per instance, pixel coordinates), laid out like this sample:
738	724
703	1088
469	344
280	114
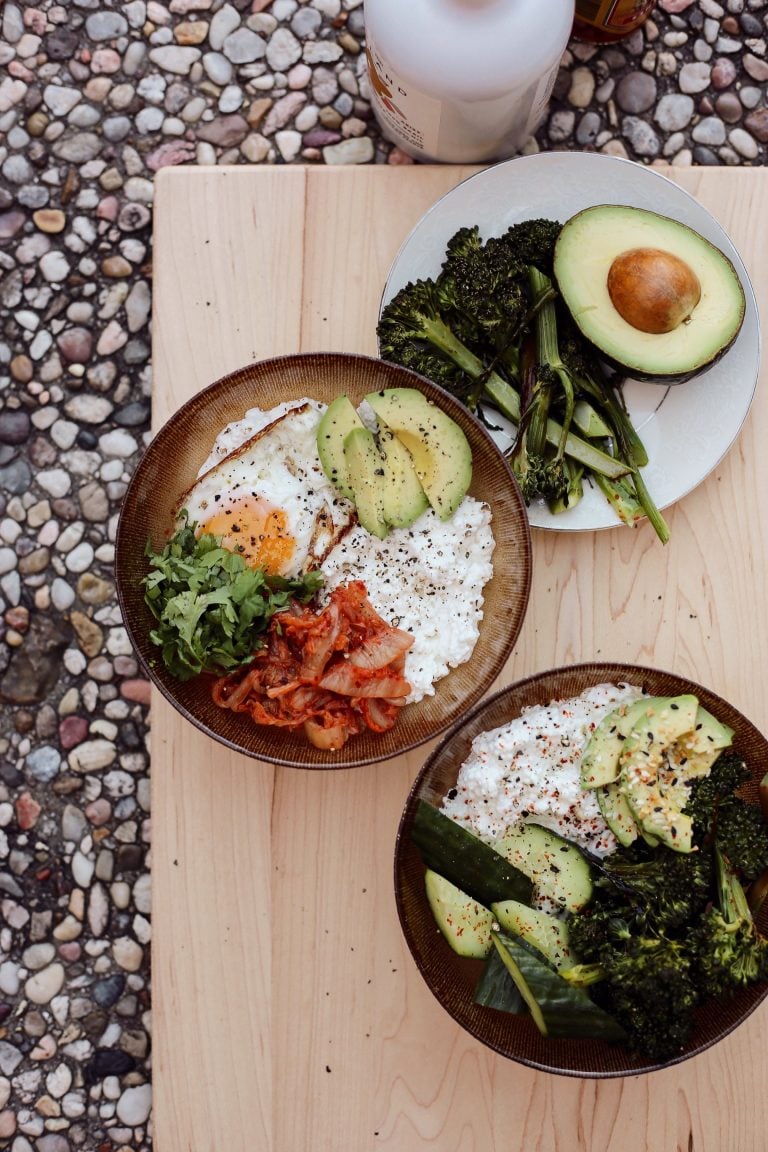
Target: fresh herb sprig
212	609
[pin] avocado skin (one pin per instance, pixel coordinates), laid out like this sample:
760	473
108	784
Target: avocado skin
632	371
626	373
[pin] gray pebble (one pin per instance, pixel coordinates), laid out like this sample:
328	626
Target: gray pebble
694	77
15	477
43	763
223	24
709	131
217	68
283	50
636	92
17	169
674	112
175	58
105	25
78	149
743	143
244	46
641	136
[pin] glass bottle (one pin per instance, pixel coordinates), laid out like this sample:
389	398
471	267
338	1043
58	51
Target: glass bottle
461	81
603	21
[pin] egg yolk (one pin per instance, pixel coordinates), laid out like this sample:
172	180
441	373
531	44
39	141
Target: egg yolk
258	531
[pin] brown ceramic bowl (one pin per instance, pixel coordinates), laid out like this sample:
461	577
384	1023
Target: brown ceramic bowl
170	465
452	978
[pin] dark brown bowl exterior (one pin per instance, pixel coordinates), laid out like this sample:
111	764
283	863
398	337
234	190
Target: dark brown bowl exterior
452	978
170	465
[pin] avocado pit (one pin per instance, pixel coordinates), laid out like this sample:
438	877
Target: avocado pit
653	290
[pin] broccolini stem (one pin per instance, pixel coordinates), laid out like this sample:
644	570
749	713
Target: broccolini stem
660	526
507	400
730	894
547	348
575	489
622	499
630	443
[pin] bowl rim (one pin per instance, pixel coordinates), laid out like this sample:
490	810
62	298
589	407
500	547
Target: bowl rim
488	702
273	363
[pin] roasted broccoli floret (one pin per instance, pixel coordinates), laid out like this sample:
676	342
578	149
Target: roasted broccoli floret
742	836
728	949
533	242
727	774
481	286
736	826
413	332
666	891
652	995
647	983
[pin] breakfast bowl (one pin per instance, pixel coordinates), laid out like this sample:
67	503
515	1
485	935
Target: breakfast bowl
440	803
168	478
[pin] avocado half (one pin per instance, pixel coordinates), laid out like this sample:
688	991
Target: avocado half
625	273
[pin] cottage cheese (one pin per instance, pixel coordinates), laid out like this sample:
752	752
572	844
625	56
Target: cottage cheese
427	579
529	769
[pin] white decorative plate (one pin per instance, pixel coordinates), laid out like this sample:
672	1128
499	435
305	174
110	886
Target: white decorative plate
686	428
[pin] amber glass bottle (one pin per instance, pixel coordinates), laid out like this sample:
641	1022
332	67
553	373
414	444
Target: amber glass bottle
603	21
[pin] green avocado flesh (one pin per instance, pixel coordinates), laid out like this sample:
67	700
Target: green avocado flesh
586	249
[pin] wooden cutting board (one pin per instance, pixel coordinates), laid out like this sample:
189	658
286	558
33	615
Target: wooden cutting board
288	1015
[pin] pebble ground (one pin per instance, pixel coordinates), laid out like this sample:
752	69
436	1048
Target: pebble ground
95	97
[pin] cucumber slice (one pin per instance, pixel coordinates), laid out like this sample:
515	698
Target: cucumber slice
545	933
469	863
559	871
496	988
557	1008
465	924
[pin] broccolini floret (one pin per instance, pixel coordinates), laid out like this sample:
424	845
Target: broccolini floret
729	951
736	827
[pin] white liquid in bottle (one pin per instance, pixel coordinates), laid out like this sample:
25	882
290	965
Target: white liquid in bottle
462	81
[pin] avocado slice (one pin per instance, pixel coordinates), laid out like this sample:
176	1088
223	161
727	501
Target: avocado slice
338	420
595	273
465	924
642	761
404	497
615	810
439	449
600	761
696	751
365	473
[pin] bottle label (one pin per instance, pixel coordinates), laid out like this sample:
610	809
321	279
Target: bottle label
613	14
540	101
410	116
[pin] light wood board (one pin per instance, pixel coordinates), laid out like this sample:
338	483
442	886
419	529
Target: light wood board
288	1015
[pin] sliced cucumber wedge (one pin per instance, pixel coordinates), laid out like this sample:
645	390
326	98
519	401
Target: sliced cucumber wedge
557	1008
464	923
473	866
557	868
496	988
545	933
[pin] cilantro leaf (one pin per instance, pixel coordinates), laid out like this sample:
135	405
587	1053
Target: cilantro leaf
211	608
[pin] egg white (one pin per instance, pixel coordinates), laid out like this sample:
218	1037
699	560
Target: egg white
276	473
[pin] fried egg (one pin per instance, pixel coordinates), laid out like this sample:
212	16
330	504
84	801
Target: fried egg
269	498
